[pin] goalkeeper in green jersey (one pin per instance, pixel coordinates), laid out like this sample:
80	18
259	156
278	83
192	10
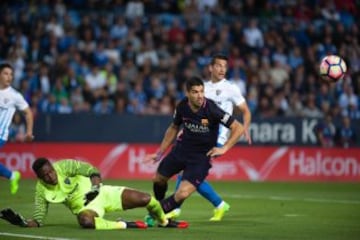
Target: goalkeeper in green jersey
78	186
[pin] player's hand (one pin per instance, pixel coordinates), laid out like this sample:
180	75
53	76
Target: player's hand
247	136
12	217
216	152
29	137
154	157
92	194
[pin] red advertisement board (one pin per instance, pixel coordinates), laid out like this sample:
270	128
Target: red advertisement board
124	161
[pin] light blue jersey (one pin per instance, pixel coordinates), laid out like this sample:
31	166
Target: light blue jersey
10	101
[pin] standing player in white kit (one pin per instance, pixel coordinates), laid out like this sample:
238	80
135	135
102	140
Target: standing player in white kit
227	96
10	101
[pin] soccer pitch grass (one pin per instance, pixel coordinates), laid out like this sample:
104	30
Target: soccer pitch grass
258	211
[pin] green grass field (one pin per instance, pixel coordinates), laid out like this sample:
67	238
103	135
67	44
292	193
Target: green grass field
258	211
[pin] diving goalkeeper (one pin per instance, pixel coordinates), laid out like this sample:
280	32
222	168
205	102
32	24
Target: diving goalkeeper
78	186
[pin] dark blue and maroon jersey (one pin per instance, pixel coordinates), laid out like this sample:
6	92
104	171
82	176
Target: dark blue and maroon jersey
201	128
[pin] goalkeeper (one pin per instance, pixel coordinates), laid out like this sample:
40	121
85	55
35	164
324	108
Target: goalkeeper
78	186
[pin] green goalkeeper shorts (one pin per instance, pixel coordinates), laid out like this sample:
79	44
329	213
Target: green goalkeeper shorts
108	200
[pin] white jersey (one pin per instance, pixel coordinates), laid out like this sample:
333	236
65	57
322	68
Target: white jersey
10	101
226	95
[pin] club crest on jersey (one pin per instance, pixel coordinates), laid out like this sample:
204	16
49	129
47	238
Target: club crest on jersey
218	92
67	181
204	122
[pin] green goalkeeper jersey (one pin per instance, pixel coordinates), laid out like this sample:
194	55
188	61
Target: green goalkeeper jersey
73	184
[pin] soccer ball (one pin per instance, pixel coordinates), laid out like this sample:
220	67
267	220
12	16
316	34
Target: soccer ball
332	68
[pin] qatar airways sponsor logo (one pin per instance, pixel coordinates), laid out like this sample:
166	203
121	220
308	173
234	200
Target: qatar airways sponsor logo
321	164
196	128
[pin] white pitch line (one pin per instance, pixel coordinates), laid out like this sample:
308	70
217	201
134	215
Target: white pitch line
27	236
283	198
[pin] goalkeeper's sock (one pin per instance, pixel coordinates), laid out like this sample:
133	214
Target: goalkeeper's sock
207	191
103	224
5	172
156	211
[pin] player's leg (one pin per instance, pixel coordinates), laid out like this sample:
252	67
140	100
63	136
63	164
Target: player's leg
5	172
207	191
132	198
170	165
193	175
13	176
109	198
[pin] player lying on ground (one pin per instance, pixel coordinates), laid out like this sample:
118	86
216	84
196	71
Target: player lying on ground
78	186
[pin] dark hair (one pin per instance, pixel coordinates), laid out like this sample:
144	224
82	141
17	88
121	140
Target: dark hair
218	56
39	163
193	81
5	65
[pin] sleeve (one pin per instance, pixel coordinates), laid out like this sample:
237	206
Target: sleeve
236	97
73	167
220	115
20	102
177	119
41	205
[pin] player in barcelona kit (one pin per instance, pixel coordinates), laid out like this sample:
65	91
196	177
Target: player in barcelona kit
194	149
10	101
227	96
78	186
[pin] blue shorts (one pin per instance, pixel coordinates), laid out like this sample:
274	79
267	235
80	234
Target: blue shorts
195	166
2	143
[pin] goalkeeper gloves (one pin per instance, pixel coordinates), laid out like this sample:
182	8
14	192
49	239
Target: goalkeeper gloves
12	217
92	194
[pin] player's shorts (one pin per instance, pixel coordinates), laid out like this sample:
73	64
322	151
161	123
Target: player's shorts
195	166
108	200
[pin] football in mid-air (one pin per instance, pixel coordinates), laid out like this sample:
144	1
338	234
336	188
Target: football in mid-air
332	68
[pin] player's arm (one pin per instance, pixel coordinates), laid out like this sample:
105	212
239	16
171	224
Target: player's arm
237	129
244	109
29	124
41	208
169	137
73	167
23	106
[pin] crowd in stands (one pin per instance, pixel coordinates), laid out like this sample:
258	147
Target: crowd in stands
117	57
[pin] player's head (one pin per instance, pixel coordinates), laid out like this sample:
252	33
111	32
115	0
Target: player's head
195	91
218	67
45	171
6	75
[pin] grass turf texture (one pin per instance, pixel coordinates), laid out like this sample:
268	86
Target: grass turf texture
258	211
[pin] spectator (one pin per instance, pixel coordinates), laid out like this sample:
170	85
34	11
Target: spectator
346	134
325	132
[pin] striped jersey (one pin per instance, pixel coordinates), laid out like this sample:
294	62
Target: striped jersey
10	101
226	95
73	183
